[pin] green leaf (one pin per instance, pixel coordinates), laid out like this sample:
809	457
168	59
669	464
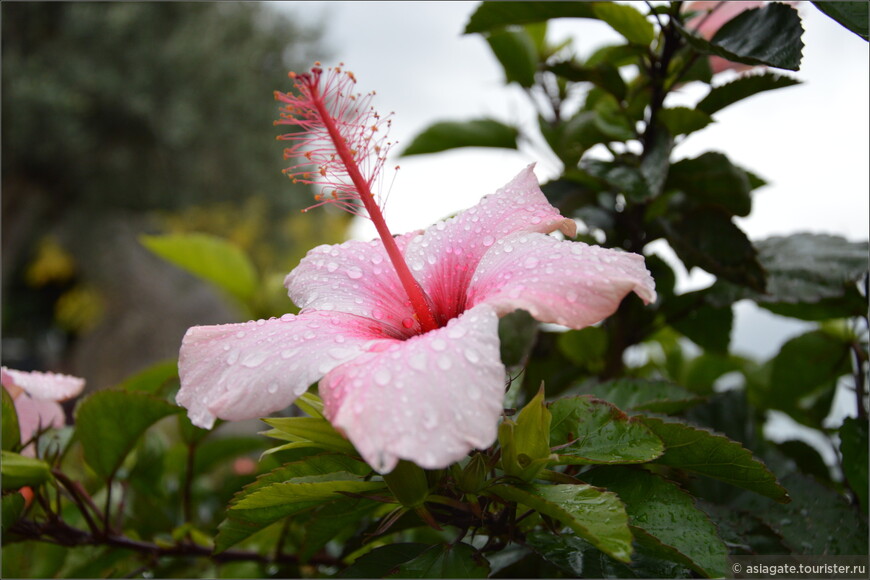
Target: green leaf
241	523
152	379
603	75
627	21
593	514
316	430
705	453
585	348
712	178
12	508
11	432
770	35
18	470
622	178
382	560
645	395
492	15
707	238
706	325
516	52
302	493
589	431
853	447
329	522
655	165
818	521
108	424
219	451
683	120
744	86
852	15
525	443
702	371
457	560
211	258
454	134
517	333
664	518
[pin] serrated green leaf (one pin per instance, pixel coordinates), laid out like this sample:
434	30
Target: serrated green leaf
745	86
313	490
707	238
664	518
457	560
317	430
516	51
493	15
153	378
592	513
588	431
454	134
853	447
627	21
11	432
209	257
712	178
852	15
769	35
328	522
382	560
645	395
711	455
683	120
239	523
18	470
108	424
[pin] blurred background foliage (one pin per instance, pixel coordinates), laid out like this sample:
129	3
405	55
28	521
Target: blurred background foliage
128	118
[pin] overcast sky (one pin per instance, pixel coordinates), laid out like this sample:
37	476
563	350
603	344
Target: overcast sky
810	142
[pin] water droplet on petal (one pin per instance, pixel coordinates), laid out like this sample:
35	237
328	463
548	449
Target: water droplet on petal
408	322
473	393
472	356
254	359
354	273
285	354
240	334
288	317
439	344
382	377
417	361
488	241
309	335
233	357
456	331
530	262
272	388
445	362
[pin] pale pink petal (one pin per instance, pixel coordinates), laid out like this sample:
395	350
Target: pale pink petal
248	370
37	414
444	258
568	283
39	385
357	278
430	399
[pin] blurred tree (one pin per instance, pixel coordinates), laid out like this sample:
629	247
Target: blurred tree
111	111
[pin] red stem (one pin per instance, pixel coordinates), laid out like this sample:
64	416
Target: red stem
415	293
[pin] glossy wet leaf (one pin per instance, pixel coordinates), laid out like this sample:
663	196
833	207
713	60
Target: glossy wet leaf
447	135
705	453
211	258
740	88
594	514
457	560
645	395
711	178
852	15
665	519
109	423
585	430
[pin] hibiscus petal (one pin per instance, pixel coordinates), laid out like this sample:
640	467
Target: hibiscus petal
248	370
444	258
429	399
39	385
36	414
569	283
357	278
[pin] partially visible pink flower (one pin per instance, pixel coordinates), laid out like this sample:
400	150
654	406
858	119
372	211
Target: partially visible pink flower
396	390
710	17
36	395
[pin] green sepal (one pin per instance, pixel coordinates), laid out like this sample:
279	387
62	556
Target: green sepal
525	442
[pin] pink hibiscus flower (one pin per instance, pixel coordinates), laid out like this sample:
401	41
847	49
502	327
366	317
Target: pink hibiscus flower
407	355
36	397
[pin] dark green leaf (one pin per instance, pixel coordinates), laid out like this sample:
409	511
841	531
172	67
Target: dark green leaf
603	75
108	424
806	457
645	395
211	258
712	178
593	514
852	15
617	55
328	522
664	518
585	348
683	120
703	371
457	560
18	470
382	560
451	135
596	432
492	15
241	523
516	333
655	164
707	326
622	178
516	52
707	238
711	455
627	21
854	448
153	379
307	432
770	35
11	431
221	450
745	86
12	508
818	521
